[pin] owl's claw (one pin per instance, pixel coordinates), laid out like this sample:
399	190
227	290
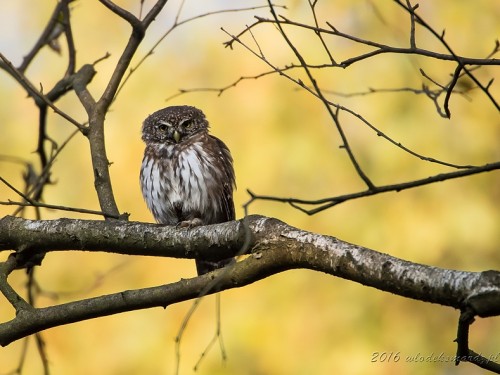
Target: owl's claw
188	224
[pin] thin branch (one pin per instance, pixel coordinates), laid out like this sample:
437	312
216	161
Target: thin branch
326	203
413	39
379	47
68	32
55	20
42	137
80	82
178	23
464	354
18	192
221	90
139	29
456	58
333	115
31	203
6	268
41	179
122	13
399	145
312	5
432	94
34	93
22	359
449	91
60	88
216	337
213	285
40	342
35	182
311	90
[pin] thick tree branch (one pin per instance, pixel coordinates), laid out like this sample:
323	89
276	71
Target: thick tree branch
128	238
275	247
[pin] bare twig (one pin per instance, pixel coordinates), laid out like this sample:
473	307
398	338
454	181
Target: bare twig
282	72
312	5
461	63
413	39
9	293
36	94
216	337
18	192
178	23
35	182
379	47
464	354
31	203
333	115
57	19
449	91
326	203
40	342
221	90
122	13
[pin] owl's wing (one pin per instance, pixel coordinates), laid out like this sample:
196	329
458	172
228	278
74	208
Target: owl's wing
225	162
224	166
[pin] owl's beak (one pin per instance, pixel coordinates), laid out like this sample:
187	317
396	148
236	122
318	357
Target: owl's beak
177	136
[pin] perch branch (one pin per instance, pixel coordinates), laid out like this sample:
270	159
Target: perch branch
275	247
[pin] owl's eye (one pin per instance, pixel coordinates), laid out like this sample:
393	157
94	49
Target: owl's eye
187	123
162	127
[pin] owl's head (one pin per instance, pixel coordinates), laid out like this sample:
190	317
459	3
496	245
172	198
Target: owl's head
173	125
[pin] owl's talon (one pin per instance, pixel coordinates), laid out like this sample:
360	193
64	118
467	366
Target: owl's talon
188	224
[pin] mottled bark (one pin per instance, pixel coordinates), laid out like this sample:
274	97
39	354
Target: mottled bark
274	247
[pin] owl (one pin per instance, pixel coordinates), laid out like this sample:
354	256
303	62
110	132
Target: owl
187	176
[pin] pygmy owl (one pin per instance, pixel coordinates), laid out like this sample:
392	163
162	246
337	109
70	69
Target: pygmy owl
187	175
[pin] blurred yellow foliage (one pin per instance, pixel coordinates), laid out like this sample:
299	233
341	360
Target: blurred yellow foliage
284	144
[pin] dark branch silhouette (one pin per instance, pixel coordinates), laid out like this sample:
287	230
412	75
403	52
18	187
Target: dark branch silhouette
465	67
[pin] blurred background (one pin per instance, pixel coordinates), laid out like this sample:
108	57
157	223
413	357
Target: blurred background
283	144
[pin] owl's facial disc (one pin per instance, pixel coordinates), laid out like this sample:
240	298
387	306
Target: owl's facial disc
167	131
175	132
